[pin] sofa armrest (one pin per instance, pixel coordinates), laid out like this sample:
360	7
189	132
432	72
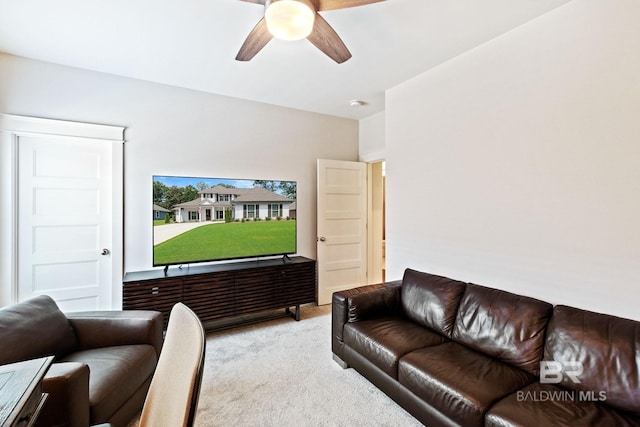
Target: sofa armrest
95	329
376	302
67	384
340	312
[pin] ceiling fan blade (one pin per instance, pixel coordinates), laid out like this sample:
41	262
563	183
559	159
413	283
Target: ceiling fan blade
255	1
256	40
325	38
341	4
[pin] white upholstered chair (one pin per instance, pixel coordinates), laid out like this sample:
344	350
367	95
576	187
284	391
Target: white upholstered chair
173	395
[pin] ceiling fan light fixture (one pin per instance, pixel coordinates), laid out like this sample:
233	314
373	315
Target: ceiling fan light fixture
289	19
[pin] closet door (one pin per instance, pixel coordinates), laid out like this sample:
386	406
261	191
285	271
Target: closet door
69	214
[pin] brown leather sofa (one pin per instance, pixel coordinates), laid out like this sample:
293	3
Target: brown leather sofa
104	360
458	354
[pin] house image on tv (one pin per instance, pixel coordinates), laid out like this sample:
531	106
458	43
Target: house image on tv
159	212
241	203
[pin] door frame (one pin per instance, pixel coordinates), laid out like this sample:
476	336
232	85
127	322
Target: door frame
376	222
12	127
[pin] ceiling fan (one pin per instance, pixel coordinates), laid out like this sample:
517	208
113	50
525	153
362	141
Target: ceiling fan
295	20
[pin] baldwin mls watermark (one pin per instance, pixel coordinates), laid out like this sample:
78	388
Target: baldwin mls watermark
553	372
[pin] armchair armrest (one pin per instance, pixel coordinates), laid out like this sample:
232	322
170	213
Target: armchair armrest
95	329
68	402
340	312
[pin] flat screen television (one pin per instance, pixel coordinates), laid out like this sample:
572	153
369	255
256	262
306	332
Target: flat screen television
198	219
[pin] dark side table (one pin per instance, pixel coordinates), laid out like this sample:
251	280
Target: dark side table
21	396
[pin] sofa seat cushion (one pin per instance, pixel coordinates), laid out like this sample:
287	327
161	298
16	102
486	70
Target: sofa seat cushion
383	341
459	382
115	374
547	404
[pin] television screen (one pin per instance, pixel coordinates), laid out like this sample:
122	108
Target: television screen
199	219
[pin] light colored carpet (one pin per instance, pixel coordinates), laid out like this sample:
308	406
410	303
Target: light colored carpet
281	373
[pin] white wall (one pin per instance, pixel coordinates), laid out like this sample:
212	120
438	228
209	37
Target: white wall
372	142
173	131
517	164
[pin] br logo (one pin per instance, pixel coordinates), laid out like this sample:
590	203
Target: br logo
552	372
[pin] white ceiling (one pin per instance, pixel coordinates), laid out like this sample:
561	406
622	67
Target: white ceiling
193	43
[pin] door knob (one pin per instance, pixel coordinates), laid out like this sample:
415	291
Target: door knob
105	252
322	239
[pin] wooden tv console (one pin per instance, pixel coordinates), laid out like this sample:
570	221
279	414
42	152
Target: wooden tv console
224	291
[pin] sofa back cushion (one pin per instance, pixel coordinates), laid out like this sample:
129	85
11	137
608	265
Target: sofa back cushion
607	347
34	328
503	325
431	300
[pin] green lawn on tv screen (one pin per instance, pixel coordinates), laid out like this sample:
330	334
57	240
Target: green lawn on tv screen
227	240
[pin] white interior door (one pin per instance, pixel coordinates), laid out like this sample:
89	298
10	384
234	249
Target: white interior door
68	227
342	227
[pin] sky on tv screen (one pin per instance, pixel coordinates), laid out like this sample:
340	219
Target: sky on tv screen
183	181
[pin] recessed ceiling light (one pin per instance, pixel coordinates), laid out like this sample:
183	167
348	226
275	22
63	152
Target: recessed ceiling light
355	103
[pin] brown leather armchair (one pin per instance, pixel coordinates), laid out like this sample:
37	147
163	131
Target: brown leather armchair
104	360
